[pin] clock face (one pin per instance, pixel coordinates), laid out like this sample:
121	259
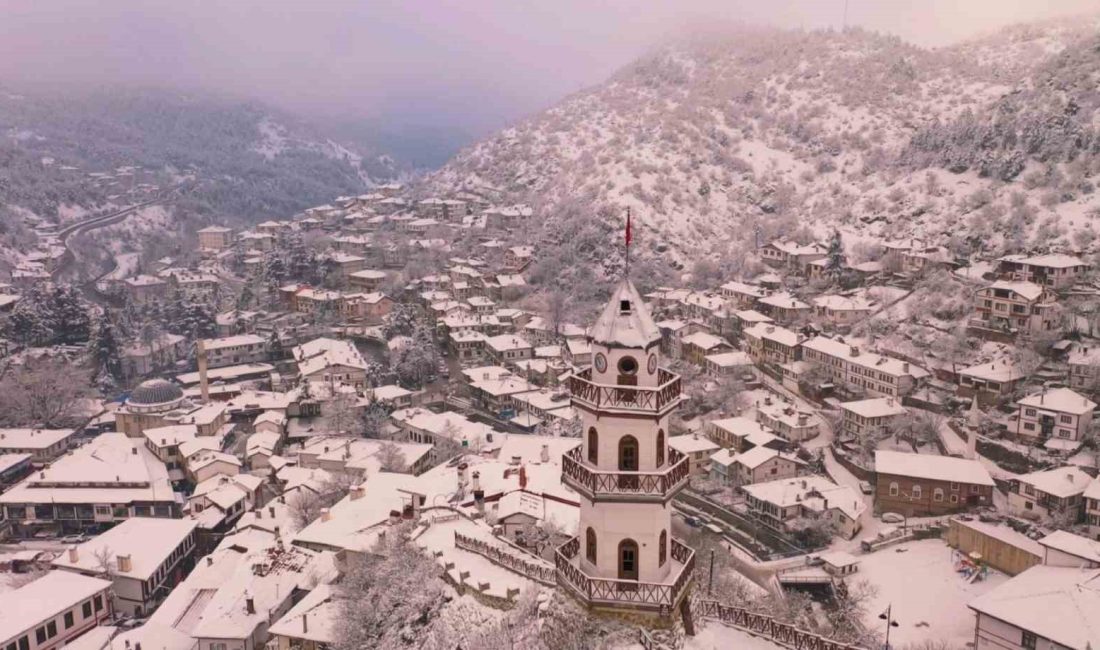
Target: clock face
652	366
601	363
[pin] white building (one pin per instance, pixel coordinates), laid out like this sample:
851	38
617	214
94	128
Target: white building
235	350
1043	608
1055	492
142	557
52	611
1057	414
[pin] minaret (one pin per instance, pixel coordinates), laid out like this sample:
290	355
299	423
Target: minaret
624	556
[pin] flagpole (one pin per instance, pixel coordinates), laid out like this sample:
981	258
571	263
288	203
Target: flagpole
628	234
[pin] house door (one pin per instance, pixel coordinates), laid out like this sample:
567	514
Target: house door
628	560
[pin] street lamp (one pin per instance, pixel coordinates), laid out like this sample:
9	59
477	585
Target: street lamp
888	616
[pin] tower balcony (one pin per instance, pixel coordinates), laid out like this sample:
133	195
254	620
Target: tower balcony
662	597
604	485
627	399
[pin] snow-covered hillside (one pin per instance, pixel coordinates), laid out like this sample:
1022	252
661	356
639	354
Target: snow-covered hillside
728	141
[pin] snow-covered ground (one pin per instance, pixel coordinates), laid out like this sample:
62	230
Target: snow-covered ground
929	598
715	636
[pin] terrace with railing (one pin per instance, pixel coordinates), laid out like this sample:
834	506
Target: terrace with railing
599	484
662	597
636	399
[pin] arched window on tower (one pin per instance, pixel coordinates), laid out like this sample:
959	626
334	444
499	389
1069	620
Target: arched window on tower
593	446
590	545
662	548
660	447
628	454
628	462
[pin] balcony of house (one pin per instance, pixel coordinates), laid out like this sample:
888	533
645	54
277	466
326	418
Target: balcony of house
610	485
629	399
662	597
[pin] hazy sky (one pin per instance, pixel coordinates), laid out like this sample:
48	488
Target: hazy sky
467	64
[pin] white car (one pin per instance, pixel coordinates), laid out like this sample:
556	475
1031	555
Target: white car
865	487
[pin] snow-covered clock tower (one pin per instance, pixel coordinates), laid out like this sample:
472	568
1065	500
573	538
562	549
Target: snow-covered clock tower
624	555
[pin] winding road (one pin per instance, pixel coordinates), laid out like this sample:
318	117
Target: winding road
101	221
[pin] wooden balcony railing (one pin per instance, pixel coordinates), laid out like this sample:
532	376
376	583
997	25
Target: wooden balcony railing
662	597
763	625
532	568
597	484
628	398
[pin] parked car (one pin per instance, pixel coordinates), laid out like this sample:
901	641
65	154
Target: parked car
865	487
73	539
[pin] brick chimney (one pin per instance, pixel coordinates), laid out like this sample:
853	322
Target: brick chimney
125	565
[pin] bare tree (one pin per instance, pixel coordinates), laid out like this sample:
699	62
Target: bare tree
391	459
390	597
45	392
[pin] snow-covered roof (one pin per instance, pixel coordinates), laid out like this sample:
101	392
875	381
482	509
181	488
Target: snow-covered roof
505	342
1027	290
314	618
843	303
705	340
870	360
811	492
148	541
120	470
692	443
1062	400
757	456
1002	370
730	359
935	468
783	301
878	407
629	328
1076	545
233	341
1059	482
1049	260
32	438
782	335
1056	603
44	599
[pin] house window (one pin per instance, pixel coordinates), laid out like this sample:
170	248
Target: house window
1029	426
973	489
1065	419
590	545
593	446
954	498
916	492
1028	641
954	487
98	603
1029	412
662	548
51	629
68	620
937	494
86	608
40	635
893	489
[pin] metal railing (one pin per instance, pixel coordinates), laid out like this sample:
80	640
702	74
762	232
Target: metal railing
634	593
532	569
595	483
628	398
781	633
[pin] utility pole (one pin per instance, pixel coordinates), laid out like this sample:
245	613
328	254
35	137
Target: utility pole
710	581
888	616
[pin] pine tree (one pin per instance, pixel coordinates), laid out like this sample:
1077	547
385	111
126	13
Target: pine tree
104	347
834	265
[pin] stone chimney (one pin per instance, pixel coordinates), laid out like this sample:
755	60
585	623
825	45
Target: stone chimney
357	491
544	454
305	622
74	554
477	481
522	477
125	565
326	515
853	351
249	603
